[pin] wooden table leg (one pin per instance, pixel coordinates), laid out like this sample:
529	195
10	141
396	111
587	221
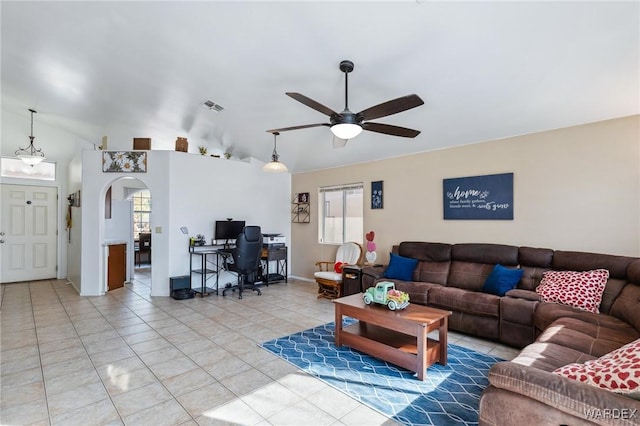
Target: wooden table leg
442	338
338	324
422	352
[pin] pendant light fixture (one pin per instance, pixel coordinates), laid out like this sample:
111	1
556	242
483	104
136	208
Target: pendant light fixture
30	155
275	166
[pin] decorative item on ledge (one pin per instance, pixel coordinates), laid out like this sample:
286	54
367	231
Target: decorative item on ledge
142	143
124	161
300	209
203	150
103	145
182	145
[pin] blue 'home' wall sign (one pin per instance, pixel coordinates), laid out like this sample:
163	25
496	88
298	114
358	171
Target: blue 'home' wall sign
479	197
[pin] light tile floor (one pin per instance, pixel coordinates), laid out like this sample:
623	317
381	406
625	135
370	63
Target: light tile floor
128	358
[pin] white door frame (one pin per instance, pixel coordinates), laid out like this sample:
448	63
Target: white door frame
53	252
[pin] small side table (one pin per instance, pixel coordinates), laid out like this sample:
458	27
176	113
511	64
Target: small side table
351	280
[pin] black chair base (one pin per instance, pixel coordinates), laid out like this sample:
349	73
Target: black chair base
241	287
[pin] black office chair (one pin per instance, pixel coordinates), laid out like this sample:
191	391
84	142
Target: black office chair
246	260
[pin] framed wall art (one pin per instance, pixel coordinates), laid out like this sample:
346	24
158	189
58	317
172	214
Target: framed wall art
377	198
478	197
124	161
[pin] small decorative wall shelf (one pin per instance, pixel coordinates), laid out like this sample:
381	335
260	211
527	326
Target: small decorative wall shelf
300	208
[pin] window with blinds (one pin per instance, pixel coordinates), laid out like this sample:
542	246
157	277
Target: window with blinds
340	212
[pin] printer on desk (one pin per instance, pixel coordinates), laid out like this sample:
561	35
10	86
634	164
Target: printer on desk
273	241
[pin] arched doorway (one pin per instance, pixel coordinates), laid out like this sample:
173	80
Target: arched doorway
128	218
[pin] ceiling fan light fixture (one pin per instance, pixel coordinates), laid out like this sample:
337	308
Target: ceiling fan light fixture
275	166
30	155
346	130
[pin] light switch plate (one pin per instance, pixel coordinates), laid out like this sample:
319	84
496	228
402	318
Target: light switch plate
158	229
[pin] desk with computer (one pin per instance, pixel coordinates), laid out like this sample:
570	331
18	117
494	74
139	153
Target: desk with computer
239	249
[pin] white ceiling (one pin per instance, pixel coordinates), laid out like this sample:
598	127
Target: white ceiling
485	70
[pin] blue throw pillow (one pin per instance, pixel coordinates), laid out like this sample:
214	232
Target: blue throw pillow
400	268
501	280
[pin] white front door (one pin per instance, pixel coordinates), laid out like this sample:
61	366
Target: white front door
28	233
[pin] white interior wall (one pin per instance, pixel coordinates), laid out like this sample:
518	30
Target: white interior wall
187	190
213	189
72	236
575	188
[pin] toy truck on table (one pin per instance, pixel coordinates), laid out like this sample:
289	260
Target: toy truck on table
385	293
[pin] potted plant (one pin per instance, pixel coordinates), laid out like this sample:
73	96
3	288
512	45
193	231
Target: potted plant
203	150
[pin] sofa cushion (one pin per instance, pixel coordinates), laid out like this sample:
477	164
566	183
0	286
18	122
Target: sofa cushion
541	397
468	275
429	252
434	260
465	301
549	356
418	291
328	275
485	253
594	337
534	262
400	267
627	305
582	290
618	371
502	280
432	272
611	292
584	261
547	313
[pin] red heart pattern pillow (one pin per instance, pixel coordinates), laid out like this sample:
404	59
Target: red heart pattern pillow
618	371
582	290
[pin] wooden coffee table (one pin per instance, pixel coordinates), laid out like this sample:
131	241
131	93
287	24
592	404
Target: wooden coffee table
398	337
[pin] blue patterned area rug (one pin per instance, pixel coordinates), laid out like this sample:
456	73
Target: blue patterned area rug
449	395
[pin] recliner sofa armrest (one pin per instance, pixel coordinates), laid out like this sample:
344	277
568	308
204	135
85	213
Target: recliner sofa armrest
370	274
569	396
523	294
374	271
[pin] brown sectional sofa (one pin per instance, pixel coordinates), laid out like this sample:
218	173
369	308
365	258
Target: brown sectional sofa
451	276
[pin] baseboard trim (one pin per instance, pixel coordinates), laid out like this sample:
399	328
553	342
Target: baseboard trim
302	278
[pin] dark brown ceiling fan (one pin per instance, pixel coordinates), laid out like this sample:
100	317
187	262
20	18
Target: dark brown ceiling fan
347	125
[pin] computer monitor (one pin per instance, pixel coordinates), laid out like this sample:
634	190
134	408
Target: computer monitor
228	229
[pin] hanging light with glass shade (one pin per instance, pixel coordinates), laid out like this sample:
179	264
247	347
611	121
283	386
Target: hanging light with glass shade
31	155
275	166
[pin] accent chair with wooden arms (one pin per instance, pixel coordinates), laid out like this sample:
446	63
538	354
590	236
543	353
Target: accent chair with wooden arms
329	281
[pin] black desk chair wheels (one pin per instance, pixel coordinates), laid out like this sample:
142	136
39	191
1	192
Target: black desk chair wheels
246	260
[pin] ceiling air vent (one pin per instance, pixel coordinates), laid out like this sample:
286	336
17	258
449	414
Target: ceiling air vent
214	106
